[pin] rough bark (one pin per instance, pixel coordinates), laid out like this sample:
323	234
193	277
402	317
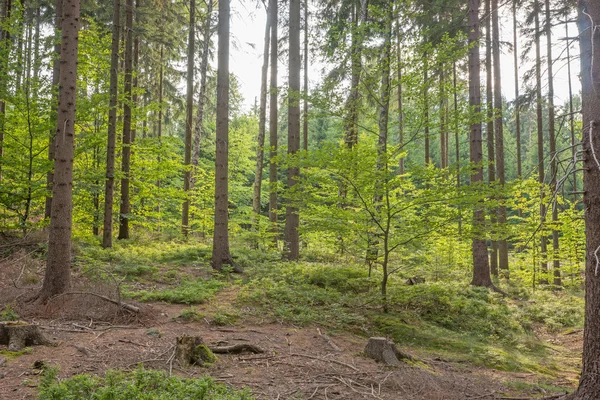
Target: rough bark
489	91
456	141
540	137
273	121
5	50
292	219
57	278
19	334
382	350
552	143
426	109
589	17
481	268
191	350
306	56
400	99
187	158
571	113
220	252
125	207
517	100
260	151
109	188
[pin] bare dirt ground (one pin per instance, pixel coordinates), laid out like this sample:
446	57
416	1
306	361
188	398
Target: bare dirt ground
297	363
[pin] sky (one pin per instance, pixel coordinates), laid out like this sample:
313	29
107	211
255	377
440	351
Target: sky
247	37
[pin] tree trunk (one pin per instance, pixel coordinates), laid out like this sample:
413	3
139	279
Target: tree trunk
552	142
490	125
571	113
187	162
499	136
292	219
305	102
220	252
517	100
426	109
5	50
260	151
589	17
400	99
57	278
202	95
112	129
443	121
540	137
481	268
54	105
125	207
456	141
273	121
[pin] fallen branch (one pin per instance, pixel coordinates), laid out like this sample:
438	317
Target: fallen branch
329	341
125	306
325	360
237	349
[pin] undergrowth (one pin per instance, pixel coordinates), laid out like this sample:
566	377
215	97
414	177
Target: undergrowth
139	384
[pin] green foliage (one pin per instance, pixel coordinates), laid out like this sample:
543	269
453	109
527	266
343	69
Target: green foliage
9	314
187	292
140	384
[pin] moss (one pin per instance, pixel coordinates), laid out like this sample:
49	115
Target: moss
203	356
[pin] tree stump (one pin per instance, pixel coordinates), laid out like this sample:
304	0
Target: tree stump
191	350
19	334
382	350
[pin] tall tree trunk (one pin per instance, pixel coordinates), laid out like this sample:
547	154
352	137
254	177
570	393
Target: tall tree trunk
490	124
589	17
206	35
571	113
36	47
5	51
481	267
220	252
125	207
57	278
540	137
456	141
443	121
426	109
499	136
112	128
273	121
260	151
552	142
306	56
292	219
517	100
400	99
187	162
351	120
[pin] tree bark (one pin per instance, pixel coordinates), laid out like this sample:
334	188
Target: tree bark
517	100
552	142
125	207
481	268
187	162
571	113
306	56
112	129
426	109
499	137
491	165
540	138
57	278
220	252
400	100
260	151
5	50
273	8
589	17
292	219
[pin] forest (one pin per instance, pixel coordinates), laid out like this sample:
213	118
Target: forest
408	209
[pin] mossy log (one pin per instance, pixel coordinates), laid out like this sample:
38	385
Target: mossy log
19	334
191	350
385	351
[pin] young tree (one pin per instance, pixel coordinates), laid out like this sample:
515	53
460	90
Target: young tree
220	252
292	239
481	267
57	278
589	16
109	189
187	162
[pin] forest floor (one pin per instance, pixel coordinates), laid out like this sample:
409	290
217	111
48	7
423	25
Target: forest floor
299	362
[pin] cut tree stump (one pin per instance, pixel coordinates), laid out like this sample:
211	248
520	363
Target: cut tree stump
191	350
19	334
385	351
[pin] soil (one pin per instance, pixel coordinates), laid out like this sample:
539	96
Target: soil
297	363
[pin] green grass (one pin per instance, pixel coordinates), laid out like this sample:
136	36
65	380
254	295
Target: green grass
140	384
187	292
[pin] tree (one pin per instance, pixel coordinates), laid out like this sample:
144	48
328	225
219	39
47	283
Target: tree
57	278
589	15
125	207
481	268
292	219
220	252
273	115
187	163
489	98
112	129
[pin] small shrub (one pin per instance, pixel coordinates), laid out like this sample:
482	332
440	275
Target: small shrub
188	292
9	314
